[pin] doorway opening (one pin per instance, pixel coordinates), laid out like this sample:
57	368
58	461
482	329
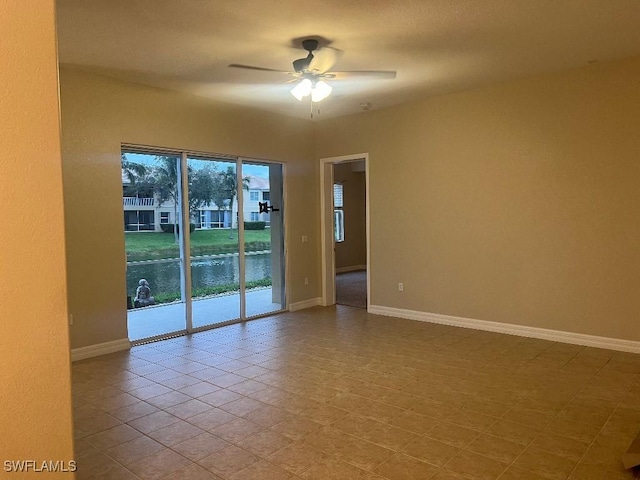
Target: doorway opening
345	230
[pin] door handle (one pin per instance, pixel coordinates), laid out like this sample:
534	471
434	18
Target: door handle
266	208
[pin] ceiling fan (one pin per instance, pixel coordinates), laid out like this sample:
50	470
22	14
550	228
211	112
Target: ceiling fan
312	70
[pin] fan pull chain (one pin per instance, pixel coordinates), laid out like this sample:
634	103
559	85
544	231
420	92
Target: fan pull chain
317	111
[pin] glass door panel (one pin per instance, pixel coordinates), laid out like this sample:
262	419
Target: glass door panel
214	248
151	194
263	237
180	281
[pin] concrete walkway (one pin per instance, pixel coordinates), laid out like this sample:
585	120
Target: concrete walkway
162	319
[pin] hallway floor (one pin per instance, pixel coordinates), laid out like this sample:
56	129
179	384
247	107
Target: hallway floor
351	289
336	393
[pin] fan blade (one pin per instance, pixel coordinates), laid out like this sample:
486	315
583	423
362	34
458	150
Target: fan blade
324	59
382	74
249	67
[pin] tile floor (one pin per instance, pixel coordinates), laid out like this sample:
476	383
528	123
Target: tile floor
336	393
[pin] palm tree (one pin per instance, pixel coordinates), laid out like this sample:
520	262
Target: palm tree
200	184
132	170
229	184
166	186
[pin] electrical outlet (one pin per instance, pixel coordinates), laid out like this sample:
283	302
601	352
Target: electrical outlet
306	280
401	287
305	239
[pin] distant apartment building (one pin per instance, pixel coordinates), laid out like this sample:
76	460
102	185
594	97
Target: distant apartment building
144	212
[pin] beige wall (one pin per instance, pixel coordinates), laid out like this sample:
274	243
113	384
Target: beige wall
35	391
353	251
98	114
517	203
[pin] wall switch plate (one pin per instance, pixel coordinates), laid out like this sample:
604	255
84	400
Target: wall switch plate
401	287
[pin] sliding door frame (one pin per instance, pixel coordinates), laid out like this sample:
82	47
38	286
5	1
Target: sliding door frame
185	238
185	241
285	270
241	250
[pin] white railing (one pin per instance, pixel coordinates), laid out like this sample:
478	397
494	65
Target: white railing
137	202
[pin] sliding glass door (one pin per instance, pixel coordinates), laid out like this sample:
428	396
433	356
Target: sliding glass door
263	238
214	246
150	196
204	238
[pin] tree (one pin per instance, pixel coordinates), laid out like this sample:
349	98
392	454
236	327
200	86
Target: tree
165	181
220	196
132	170
228	184
201	185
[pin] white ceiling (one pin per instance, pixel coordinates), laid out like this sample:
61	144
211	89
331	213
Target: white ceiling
436	46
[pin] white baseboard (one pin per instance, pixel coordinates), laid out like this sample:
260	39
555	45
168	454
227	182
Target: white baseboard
312	302
100	349
352	268
519	330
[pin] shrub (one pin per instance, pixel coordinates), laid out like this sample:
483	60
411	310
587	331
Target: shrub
254	225
168	297
169	227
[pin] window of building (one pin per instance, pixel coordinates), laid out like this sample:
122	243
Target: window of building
338	213
254	196
164	217
136	220
255	216
265	196
217	219
211	219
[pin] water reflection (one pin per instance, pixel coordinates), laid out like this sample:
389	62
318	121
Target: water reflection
164	278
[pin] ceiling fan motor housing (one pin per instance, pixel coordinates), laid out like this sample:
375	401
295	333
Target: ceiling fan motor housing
310	45
303	63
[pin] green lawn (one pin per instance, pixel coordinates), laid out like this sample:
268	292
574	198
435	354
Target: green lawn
154	245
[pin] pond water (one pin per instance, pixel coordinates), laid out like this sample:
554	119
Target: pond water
205	272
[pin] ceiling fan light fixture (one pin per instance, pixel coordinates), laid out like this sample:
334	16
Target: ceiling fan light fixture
320	91
302	89
310	71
